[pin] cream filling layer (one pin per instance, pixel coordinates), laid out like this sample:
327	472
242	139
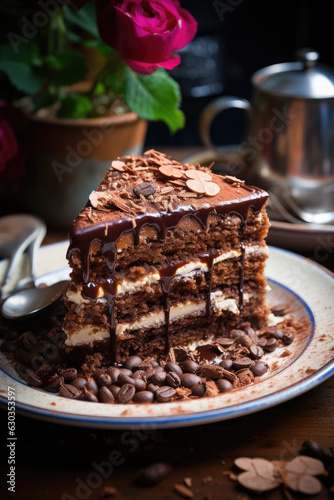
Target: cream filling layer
183	272
219	302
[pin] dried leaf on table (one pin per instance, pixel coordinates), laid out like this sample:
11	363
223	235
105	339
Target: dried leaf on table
299	474
260	474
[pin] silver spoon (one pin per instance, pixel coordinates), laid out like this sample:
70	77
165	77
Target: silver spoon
18	233
32	300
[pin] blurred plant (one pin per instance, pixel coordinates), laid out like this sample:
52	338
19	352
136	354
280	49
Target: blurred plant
49	43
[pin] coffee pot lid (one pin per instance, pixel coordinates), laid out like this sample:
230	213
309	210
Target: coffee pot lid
304	78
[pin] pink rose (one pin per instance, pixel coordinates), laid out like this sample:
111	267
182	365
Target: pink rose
12	136
8	144
145	32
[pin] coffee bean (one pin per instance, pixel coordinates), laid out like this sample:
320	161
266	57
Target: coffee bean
144	189
279	310
236	334
164	393
227	364
31	377
328	457
239	364
114	373
126	371
288	338
173	367
271	345
180	353
189	379
143	397
189	366
198	390
152	388
106	396
68	391
226	342
159	378
97	372
224	385
153	474
114	389
90	396
173	379
148	373
91	386
36	361
155	364
8	346
250	332
139	384
259	368
55	383
104	379
144	366
158	369
255	351
311	449
132	362
69	374
245	341
278	334
126	393
124	379
23	356
261	342
139	374
79	383
29	341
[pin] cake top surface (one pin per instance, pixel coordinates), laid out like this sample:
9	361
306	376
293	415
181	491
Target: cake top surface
153	190
153	184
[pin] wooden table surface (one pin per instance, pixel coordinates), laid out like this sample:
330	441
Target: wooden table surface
59	462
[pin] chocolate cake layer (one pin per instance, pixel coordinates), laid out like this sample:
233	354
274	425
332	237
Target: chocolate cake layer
186	331
159	247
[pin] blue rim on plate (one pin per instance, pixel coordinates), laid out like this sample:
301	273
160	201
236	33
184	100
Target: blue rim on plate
198	417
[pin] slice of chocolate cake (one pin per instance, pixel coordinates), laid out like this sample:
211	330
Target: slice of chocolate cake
164	254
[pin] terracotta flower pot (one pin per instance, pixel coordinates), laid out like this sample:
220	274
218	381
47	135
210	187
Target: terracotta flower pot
69	157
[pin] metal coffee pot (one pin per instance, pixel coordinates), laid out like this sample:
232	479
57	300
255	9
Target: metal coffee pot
289	144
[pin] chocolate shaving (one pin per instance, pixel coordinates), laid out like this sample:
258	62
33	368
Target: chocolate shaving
211	388
213	372
166	190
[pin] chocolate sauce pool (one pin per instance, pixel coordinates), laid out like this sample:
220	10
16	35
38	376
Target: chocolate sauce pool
107	234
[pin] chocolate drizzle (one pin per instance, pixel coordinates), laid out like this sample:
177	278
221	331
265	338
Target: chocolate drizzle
208	260
241	279
107	289
107	234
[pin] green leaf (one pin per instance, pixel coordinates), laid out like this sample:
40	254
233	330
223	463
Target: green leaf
84	18
115	79
43	101
20	69
154	97
68	67
75	106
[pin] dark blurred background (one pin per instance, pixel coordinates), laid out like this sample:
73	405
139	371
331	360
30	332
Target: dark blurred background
235	38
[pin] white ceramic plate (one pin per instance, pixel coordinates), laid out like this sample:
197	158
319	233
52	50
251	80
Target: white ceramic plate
309	289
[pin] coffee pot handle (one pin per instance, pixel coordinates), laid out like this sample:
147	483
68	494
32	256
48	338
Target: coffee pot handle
206	118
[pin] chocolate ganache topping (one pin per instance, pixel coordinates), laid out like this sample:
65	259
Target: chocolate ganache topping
155	191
